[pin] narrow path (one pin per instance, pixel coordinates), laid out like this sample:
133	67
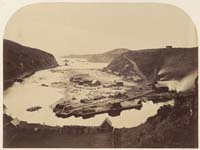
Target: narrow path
136	68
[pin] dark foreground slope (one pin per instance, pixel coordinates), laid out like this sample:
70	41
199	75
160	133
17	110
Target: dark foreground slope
171	127
20	61
25	135
104	57
168	63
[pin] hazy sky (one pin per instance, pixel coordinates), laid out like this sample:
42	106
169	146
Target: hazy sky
66	28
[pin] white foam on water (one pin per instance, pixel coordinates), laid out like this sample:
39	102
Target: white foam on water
29	93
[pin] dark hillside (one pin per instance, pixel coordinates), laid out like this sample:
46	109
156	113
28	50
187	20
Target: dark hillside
20	61
172	127
167	62
178	62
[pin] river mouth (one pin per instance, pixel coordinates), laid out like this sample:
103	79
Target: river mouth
44	89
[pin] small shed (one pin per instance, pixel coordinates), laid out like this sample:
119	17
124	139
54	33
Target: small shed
119	83
95	83
169	47
116	105
118	95
80	76
109	71
161	87
85	100
106	125
15	122
136	78
116	73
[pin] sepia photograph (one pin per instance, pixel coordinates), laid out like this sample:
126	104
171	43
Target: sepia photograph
100	75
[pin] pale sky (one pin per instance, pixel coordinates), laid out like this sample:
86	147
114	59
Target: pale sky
75	28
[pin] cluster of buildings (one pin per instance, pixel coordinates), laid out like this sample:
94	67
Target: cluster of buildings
84	79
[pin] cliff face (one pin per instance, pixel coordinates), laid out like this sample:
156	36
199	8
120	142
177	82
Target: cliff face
165	63
20	61
104	57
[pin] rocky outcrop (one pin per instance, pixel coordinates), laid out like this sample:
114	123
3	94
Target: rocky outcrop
21	61
154	64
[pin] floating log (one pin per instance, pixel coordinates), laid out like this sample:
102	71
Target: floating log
34	108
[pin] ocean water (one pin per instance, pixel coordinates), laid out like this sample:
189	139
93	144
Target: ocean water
29	93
